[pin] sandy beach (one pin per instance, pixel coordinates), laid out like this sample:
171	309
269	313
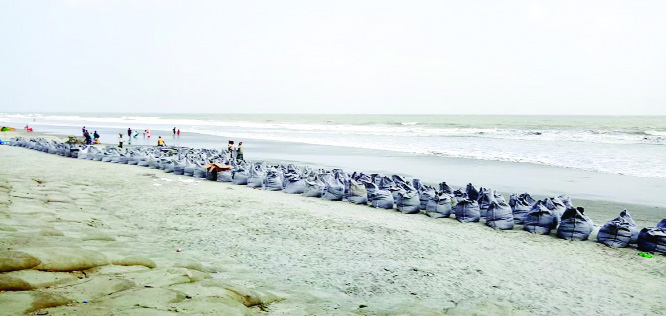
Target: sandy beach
108	234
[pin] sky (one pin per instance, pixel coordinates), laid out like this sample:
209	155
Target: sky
354	57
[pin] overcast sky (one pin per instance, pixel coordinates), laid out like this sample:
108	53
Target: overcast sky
403	57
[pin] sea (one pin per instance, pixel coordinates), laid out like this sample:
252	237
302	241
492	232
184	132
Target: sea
623	145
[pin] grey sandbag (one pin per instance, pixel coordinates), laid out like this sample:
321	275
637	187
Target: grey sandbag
445	188
294	184
239	176
619	232
408	201
426	193
385	183
199	172
485	198
314	188
566	200
334	189
256	176
440	206
274	180
653	239
357	192
540	220
521	205
225	176
382	199
178	167
574	225
499	215
472	192
211	174
467	210
556	205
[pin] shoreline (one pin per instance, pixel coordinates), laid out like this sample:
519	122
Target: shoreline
337	256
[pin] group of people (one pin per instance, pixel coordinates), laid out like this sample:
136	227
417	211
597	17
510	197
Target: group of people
88	138
236	152
176	132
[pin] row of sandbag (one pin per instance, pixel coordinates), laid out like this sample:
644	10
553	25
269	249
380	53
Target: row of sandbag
468	205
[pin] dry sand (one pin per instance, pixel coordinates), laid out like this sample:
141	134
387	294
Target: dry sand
111	231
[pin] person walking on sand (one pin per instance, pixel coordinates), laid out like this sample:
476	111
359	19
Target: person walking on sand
178	132
160	142
120	140
148	133
129	132
174	131
239	152
95	138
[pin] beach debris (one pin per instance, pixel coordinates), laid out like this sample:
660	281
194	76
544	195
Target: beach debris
645	255
179	250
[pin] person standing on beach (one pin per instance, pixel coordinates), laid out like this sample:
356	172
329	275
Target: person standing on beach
178	132
239	152
174	131
231	149
86	135
148	133
129	132
120	140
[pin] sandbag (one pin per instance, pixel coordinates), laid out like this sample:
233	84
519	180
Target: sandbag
520	206
467	210
211	174
294	184
574	225
199	172
499	215
485	198
381	199
540	220
385	183
619	232
408	202
357	192
179	167
445	188
314	188
426	194
556	206
334	189
472	192
440	206
653	239
239	176
256	176
225	176
273	180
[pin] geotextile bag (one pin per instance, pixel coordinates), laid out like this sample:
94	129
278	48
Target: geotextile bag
574	225
619	232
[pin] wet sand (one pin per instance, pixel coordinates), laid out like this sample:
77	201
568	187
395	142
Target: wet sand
297	255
